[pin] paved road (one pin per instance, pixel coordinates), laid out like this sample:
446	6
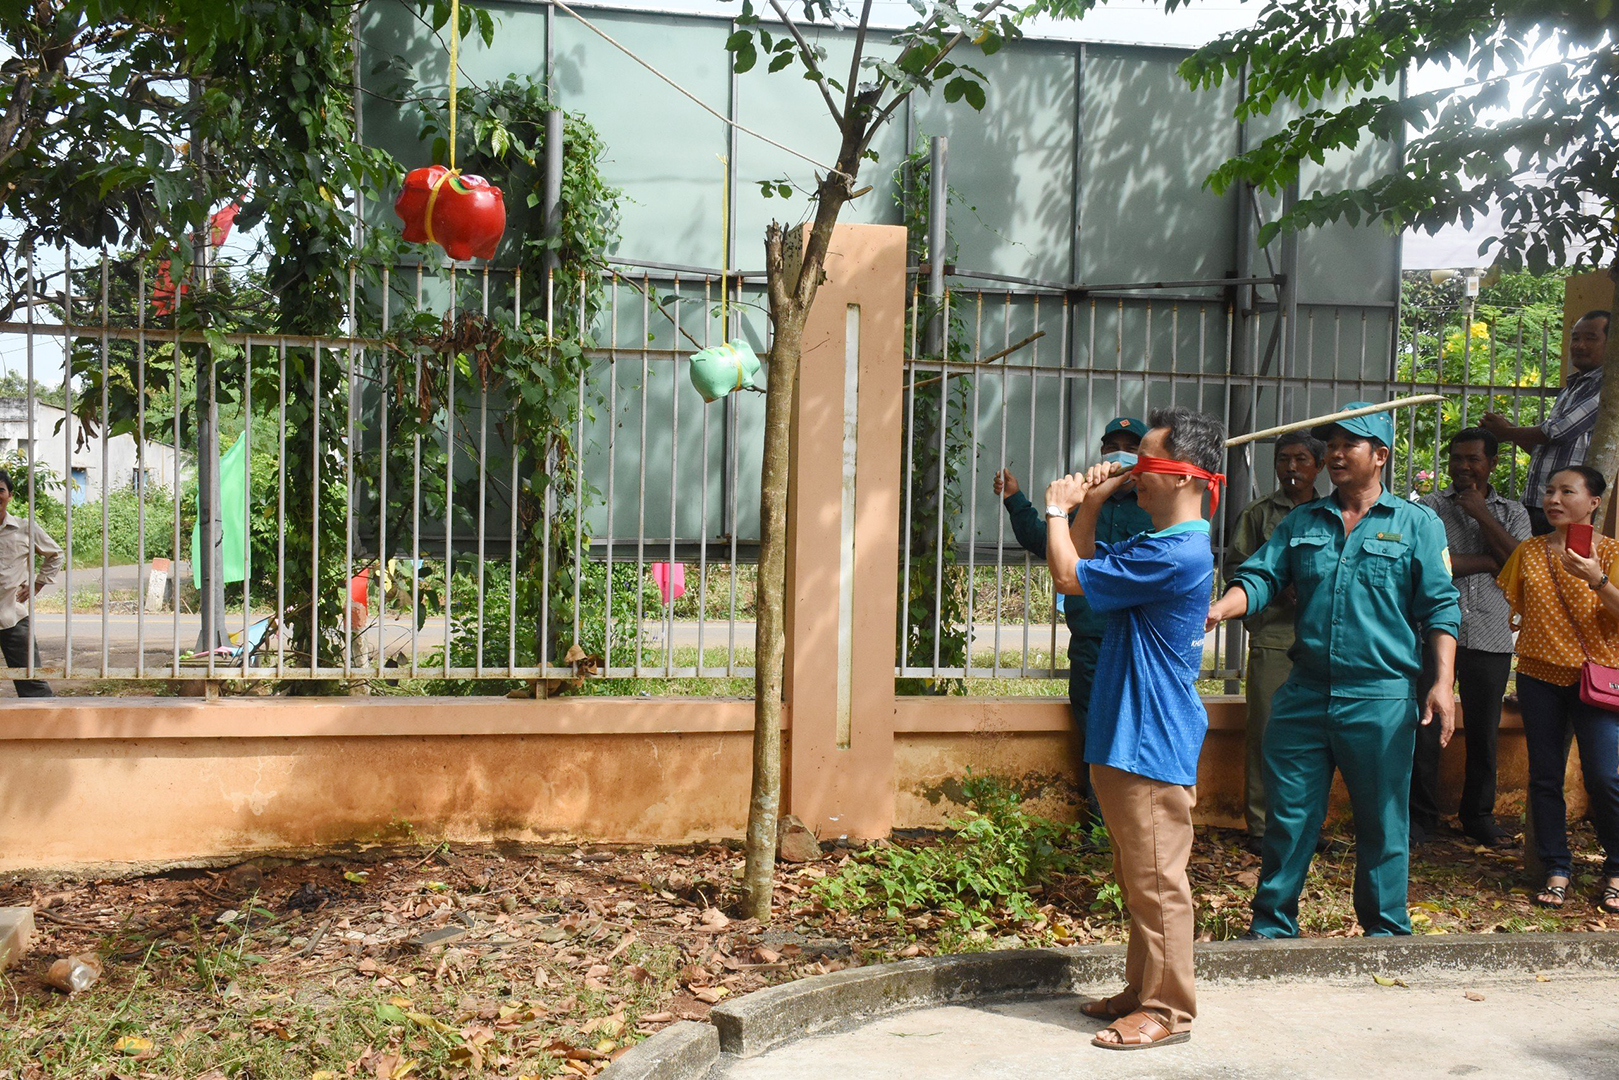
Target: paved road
1523	1029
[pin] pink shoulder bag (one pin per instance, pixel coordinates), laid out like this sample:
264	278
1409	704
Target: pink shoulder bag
1599	684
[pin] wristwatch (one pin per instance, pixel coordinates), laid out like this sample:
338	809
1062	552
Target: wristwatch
1597	585
1053	510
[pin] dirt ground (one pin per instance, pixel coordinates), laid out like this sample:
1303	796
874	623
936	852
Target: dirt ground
399	962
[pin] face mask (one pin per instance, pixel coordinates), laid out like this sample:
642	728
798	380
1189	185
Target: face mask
1120	457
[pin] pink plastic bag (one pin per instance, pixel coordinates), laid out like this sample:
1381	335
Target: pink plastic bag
671	579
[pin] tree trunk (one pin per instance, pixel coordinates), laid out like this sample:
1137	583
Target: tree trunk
770	606
790	303
1603	454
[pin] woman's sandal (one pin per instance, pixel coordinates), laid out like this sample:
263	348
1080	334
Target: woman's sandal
1556	892
1138	1031
1111	1008
1609	904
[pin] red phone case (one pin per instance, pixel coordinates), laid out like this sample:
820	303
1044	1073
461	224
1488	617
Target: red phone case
1579	540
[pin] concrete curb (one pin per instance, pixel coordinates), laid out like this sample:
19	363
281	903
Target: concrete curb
683	1051
768	1018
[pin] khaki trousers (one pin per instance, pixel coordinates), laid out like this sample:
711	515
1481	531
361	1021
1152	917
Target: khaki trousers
1268	669
1151	825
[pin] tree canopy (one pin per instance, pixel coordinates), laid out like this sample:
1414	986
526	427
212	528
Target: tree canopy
1527	127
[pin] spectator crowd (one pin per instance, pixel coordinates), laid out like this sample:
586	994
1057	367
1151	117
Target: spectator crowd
1367	616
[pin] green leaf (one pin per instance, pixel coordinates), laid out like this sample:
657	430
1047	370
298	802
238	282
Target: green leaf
781	60
975	95
742	39
744	59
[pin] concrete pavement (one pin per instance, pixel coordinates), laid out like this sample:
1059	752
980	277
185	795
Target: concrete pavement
1356	1029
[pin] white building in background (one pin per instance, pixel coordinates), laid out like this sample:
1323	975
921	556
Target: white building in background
80	466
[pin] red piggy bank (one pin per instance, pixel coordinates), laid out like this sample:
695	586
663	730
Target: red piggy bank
465	215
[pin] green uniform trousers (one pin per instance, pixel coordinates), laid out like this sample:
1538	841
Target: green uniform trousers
1267	671
1370	742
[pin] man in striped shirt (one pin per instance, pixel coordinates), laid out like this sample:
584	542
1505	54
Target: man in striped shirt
1562	438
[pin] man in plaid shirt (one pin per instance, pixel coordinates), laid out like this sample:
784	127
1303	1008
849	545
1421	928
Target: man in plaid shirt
1562	438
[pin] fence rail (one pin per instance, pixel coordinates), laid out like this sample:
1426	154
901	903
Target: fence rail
396	521
1084	359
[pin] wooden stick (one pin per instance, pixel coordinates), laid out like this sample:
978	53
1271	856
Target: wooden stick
1316	421
992	357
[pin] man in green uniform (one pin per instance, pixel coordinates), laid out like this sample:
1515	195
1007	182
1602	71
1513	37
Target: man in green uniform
1119	519
1372	574
1298	458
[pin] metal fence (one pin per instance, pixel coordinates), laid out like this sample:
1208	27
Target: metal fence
428	499
1026	377
407	443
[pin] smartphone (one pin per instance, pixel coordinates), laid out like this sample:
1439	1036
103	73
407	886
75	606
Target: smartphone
1579	539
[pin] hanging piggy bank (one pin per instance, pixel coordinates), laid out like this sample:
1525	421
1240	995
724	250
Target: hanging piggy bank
465	215
720	369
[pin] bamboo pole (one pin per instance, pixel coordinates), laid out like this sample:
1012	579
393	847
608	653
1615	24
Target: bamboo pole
1316	421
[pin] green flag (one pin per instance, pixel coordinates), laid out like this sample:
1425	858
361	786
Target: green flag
233	508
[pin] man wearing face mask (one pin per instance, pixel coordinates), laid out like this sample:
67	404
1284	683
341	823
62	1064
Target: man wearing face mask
1270	632
1119	518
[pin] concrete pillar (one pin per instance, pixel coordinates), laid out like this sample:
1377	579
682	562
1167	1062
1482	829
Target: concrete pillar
843	509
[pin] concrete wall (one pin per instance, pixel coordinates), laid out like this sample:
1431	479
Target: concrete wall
105	784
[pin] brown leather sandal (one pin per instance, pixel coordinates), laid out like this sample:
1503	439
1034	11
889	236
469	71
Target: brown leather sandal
1138	1031
1110	1008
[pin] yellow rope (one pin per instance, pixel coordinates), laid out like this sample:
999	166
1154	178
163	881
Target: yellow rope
455	41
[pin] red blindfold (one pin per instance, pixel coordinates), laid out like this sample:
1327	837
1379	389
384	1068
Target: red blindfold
1171	467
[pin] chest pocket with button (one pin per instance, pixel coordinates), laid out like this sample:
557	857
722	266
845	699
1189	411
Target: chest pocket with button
1312	559
1383	561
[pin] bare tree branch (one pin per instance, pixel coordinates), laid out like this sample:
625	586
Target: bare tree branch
809	59
854	62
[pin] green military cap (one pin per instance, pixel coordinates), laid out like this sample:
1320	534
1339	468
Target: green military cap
1379	425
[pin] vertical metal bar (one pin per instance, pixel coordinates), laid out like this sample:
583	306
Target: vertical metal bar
674	489
549	500
247	503
702	529
1062	442
174	660
449	484
612	460
416	491
1517	401
938	239
483	482
910	494
733	419
33	504
972	488
383	364
640	487
141	583
106	476
1000	519
938	555
314	522
67	456
281	518
1028	562
579	471
512	444
352	488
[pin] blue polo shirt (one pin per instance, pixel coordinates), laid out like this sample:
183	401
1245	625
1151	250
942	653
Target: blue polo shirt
1146	717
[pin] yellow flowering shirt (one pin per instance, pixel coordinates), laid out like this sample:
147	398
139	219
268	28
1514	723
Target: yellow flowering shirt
1548	647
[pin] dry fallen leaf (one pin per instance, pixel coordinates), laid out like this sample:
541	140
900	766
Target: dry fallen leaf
1472	995
710	994
132	1044
1384	980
